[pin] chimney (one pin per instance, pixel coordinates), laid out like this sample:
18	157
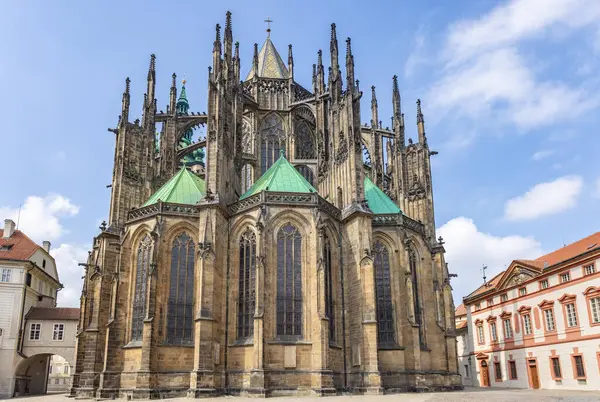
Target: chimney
9	228
46	246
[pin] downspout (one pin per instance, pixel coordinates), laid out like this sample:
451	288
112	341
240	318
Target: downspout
343	309
226	386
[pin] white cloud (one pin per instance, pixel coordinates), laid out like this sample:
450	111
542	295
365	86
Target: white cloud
485	75
468	249
417	56
70	274
39	217
544	199
542	154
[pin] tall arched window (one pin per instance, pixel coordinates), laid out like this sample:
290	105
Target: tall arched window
141	287
383	291
246	177
412	260
181	291
247	289
329	311
272	140
307	173
289	282
305	142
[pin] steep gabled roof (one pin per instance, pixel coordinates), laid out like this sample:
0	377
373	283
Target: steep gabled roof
183	188
378	201
270	64
281	177
18	247
460	310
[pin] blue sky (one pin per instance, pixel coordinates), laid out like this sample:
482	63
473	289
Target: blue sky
509	91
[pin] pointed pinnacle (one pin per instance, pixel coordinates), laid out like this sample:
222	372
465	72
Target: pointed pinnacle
174	80
290	52
395	79
127	82
373	96
348	47
237	50
152	62
218	35
228	21
320	57
333	32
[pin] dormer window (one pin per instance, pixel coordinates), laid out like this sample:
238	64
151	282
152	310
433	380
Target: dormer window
6	247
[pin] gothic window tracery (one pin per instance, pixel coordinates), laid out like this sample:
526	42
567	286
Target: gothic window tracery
141	287
412	258
181	291
307	173
247	180
305	142
329	310
289	282
272	141
247	287
247	137
383	291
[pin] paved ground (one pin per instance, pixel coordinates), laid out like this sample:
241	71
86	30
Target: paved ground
471	394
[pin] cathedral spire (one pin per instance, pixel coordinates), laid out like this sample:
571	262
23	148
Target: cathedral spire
290	61
255	61
149	97
151	78
320	72
349	65
236	61
182	103
228	40
398	118
314	78
374	109
217	52
173	94
333	47
125	103
421	124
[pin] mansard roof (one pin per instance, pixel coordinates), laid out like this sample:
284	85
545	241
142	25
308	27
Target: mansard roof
281	177
183	188
378	201
270	64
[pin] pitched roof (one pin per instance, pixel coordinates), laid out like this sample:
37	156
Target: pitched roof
270	64
556	257
460	310
281	177
183	188
21	246
378	201
462	325
53	313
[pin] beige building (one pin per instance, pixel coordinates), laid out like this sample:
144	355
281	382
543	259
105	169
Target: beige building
28	287
302	259
59	374
537	324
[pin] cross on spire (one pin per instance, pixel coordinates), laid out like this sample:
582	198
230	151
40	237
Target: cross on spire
268	21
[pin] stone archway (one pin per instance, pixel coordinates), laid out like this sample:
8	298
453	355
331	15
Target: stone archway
31	374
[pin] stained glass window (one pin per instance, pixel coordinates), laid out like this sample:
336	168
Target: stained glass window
307	173
383	293
305	142
329	310
272	141
141	285
247	285
181	291
289	282
246	177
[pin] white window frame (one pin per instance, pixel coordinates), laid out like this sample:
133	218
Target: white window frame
38	330
547	320
565	277
493	332
60	331
589	269
595	309
503	298
527	324
571	313
480	335
6	275
544	284
508	332
522	291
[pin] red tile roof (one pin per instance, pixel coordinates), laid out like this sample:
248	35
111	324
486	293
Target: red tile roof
53	313
460	310
462	324
22	246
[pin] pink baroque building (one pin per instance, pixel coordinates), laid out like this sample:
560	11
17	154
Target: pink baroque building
537	324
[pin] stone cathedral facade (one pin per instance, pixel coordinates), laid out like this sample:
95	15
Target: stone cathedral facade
292	250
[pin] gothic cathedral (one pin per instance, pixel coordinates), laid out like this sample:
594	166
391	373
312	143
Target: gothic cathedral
291	251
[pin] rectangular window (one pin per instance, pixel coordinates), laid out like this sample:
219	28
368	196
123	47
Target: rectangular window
595	307
544	284
556	368
513	370
44	264
493	332
507	329
497	371
66	369
34	332
490	302
480	334
549	316
504	297
522	291
565	277
571	315
527	324
56	381
579	368
589	269
59	332
478	307
6	275
467	371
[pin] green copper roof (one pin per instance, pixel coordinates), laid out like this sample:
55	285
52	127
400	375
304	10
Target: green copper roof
183	188
282	176
270	64
377	200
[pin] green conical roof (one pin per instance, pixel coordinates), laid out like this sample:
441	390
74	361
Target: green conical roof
378	202
183	188
283	177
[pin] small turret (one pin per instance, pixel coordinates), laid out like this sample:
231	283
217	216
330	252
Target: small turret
183	105
255	62
290	62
